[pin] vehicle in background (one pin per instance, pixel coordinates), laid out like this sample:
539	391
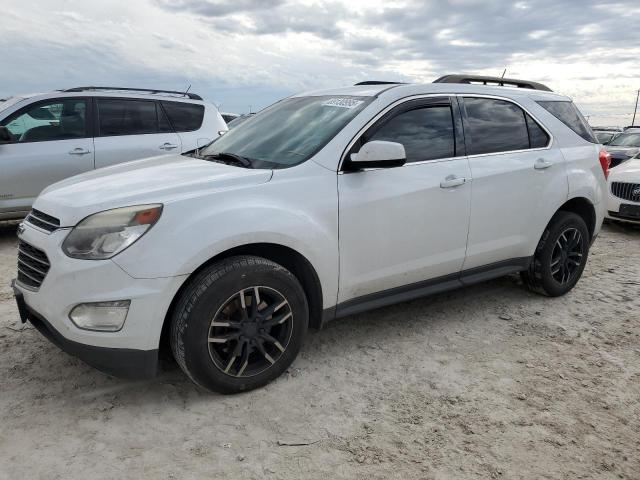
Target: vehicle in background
45	138
228	117
238	120
323	205
604	136
623	147
623	203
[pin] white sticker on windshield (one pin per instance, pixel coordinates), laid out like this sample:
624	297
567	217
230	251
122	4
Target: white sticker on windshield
342	103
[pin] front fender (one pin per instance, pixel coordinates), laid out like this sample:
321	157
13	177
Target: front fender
189	235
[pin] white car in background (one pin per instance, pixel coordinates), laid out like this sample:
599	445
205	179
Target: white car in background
624	192
46	138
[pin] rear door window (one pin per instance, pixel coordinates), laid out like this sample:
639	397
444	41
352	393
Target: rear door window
494	126
569	114
184	117
425	132
127	117
538	138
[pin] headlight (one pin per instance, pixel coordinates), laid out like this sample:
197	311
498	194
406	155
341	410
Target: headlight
105	234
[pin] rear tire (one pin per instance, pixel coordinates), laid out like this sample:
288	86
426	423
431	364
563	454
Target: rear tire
560	256
239	324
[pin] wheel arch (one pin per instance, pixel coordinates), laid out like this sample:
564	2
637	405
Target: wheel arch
584	208
289	258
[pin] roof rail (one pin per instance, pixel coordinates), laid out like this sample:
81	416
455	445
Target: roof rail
499	81
378	82
192	96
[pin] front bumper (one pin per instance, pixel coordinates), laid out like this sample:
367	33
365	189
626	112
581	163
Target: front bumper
119	362
130	352
613	209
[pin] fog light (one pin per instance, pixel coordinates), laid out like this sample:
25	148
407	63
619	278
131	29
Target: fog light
100	316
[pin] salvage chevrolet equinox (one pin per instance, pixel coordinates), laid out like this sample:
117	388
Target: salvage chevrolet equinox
323	205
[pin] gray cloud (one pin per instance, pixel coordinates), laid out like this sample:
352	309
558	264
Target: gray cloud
452	35
267	17
218	8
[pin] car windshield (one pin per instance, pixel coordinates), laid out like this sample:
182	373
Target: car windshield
626	140
290	131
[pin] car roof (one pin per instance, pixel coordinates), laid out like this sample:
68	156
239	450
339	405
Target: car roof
406	90
108	93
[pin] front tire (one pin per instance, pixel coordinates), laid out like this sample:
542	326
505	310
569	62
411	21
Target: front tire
239	324
560	256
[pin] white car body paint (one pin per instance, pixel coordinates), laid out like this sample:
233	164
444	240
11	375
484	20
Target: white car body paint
363	233
628	174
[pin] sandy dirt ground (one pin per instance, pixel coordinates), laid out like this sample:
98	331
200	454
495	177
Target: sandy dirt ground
487	382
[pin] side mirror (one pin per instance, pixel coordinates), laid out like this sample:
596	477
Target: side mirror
5	135
379	154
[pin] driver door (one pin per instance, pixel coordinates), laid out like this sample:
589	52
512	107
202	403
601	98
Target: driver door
404	229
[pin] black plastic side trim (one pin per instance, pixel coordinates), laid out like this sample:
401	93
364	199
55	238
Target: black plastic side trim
428	287
119	362
494	270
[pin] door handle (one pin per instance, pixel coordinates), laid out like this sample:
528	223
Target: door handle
168	146
79	151
452	181
541	164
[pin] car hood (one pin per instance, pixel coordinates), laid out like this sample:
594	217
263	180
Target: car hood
628	172
153	180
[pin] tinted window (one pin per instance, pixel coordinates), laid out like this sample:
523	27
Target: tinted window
626	140
568	114
495	126
604	137
426	133
58	120
538	138
290	131
184	117
127	117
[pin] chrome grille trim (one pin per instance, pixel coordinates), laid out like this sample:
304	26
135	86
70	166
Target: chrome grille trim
625	191
43	221
33	265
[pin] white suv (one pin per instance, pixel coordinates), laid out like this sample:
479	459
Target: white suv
48	137
323	205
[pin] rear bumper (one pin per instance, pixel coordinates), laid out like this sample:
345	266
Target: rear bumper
119	362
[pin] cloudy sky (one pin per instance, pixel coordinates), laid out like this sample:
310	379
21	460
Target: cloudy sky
242	53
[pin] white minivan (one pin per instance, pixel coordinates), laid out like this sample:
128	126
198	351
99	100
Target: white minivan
45	138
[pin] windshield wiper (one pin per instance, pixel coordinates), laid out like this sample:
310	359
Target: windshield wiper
225	157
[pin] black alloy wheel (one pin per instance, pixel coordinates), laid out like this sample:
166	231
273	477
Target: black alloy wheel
250	331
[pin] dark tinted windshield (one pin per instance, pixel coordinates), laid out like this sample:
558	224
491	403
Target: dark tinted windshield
290	131
626	140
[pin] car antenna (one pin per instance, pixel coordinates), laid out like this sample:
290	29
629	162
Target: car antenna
503	73
187	90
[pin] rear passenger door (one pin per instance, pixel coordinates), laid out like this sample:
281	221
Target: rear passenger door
518	181
130	129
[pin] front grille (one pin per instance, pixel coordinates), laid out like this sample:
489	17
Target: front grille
626	191
42	220
33	265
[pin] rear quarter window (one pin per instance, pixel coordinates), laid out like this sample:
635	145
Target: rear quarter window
569	114
184	117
